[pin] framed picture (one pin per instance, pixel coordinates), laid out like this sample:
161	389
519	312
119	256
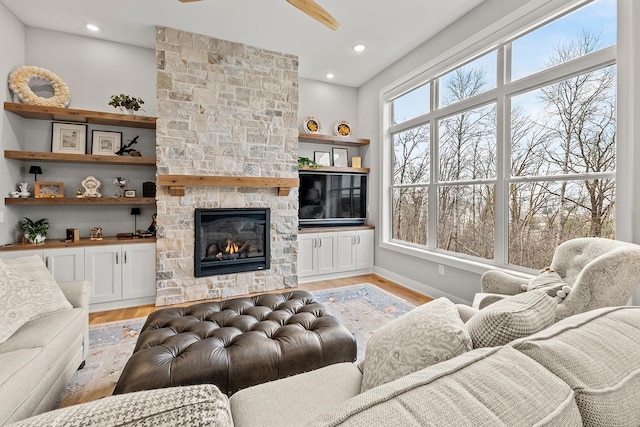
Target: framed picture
340	156
129	193
105	143
356	162
323	158
44	189
69	138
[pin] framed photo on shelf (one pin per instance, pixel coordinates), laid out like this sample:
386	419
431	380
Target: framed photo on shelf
44	189
68	138
323	158
356	162
129	193
105	143
340	157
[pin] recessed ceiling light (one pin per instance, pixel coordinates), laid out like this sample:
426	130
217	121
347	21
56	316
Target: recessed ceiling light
359	47
329	75
93	27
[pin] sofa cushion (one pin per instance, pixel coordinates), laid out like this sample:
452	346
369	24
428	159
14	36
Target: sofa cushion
428	334
483	387
597	353
514	317
295	400
19	376
27	291
199	405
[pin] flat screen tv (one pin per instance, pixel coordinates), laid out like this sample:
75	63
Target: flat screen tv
328	199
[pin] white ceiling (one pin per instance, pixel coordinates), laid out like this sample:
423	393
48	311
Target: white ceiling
389	28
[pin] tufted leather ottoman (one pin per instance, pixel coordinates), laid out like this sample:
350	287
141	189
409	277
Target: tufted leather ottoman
236	343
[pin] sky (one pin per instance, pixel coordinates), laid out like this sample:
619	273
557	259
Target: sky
529	52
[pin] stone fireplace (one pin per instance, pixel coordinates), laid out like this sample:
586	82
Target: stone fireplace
228	110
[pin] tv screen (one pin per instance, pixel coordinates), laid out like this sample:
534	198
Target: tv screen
327	199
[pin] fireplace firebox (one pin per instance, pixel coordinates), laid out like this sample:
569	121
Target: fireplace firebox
231	240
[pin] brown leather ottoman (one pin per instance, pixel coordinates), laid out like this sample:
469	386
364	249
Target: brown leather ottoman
236	343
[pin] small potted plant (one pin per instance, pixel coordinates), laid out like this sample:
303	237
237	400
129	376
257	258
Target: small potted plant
34	231
126	103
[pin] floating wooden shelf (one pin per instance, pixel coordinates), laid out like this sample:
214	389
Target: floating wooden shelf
333	140
80	201
85	241
335	169
82	116
79	158
178	183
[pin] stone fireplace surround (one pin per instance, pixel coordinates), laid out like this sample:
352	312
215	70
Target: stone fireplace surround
224	109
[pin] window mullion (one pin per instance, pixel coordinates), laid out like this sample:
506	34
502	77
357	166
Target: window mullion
432	236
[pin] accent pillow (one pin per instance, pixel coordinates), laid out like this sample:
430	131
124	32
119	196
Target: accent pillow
194	406
548	280
514	317
428	334
27	291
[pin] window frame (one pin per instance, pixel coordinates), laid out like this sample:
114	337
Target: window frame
501	94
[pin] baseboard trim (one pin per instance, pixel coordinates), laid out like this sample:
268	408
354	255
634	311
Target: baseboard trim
421	288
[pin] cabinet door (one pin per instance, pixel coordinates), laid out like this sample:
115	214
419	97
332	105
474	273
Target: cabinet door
327	253
65	264
138	270
346	251
102	266
364	249
307	257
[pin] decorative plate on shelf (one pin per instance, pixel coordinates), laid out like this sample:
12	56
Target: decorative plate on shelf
311	125
342	128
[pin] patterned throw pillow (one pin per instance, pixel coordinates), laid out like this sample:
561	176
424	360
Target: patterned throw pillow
514	317
548	281
192	406
27	291
428	334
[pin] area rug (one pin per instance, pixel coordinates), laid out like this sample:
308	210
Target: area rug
363	308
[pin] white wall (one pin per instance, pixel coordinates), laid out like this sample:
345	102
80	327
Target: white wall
12	46
93	70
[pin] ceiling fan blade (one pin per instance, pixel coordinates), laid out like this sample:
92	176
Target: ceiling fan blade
315	11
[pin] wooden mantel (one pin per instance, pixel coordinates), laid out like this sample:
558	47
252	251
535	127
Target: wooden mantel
178	183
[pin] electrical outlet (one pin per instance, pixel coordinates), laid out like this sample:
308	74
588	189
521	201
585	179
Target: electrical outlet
441	269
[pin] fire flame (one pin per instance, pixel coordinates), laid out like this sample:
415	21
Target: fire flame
231	248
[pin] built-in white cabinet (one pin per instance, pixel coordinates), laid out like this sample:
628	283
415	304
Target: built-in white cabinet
335	253
317	254
120	273
355	250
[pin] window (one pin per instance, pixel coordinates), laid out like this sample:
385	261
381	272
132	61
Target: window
504	166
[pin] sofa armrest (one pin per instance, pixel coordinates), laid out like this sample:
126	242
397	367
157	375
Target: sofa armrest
77	293
499	282
195	406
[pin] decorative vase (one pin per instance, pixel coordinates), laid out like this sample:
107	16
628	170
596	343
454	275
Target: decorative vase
36	239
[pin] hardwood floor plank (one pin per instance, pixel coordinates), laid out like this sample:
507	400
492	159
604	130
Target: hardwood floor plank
389	286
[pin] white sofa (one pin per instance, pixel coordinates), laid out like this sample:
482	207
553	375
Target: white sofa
583	370
38	360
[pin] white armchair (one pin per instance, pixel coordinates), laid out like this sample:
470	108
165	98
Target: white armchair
601	273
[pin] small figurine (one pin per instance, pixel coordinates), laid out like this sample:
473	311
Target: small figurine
91	185
95	233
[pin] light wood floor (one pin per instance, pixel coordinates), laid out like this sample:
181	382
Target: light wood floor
392	287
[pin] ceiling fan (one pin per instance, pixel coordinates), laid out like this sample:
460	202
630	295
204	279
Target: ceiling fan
311	8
